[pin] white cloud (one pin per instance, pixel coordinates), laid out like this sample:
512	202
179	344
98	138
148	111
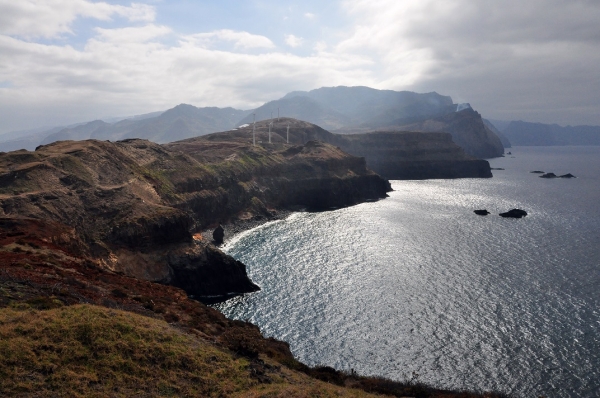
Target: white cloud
113	75
240	40
50	18
293	41
321	46
309	15
132	34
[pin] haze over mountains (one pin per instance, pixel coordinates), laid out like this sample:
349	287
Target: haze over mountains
339	109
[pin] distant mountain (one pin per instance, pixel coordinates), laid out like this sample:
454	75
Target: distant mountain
538	134
368	106
341	109
180	122
348	110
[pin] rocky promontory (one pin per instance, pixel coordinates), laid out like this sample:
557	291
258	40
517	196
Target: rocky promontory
137	207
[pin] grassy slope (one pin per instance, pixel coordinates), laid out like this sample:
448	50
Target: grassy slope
86	351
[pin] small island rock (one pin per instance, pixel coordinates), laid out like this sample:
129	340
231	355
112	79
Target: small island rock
548	175
567	176
219	234
537	172
483	212
514	213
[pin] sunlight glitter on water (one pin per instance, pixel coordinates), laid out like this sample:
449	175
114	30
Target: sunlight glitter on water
417	282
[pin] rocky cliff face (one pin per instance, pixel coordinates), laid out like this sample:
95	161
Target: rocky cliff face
414	156
135	205
397	155
467	129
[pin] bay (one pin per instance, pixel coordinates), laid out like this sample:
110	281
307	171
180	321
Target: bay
418	285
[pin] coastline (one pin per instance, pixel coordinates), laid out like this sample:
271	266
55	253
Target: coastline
234	228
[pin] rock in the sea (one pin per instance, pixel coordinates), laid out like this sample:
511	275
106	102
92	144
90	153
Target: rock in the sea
496	168
514	213
219	234
483	212
548	175
567	176
537	172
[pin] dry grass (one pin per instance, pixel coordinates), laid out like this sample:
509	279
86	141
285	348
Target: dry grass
87	351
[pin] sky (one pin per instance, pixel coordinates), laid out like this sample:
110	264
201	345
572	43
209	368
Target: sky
68	61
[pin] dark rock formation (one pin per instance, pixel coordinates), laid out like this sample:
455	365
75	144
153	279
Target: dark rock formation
218	234
496	168
208	273
514	213
548	175
537	172
481	212
569	175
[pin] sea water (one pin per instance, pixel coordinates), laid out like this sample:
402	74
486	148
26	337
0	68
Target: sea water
418	286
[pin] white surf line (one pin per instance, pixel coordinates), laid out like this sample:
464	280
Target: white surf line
242	234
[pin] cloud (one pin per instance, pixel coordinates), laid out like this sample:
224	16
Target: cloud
240	40
50	18
132	70
310	15
506	58
293	41
132	34
320	46
534	61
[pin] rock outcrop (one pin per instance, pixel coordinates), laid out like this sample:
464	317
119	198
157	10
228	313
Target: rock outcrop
514	213
218	234
481	212
549	175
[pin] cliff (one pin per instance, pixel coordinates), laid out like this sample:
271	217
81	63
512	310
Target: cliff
414	156
136	205
468	131
395	155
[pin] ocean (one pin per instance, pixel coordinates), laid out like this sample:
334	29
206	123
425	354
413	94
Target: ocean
416	286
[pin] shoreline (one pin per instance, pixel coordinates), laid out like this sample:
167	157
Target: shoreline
238	226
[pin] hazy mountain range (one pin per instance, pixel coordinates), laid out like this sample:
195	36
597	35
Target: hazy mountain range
332	108
337	109
538	134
